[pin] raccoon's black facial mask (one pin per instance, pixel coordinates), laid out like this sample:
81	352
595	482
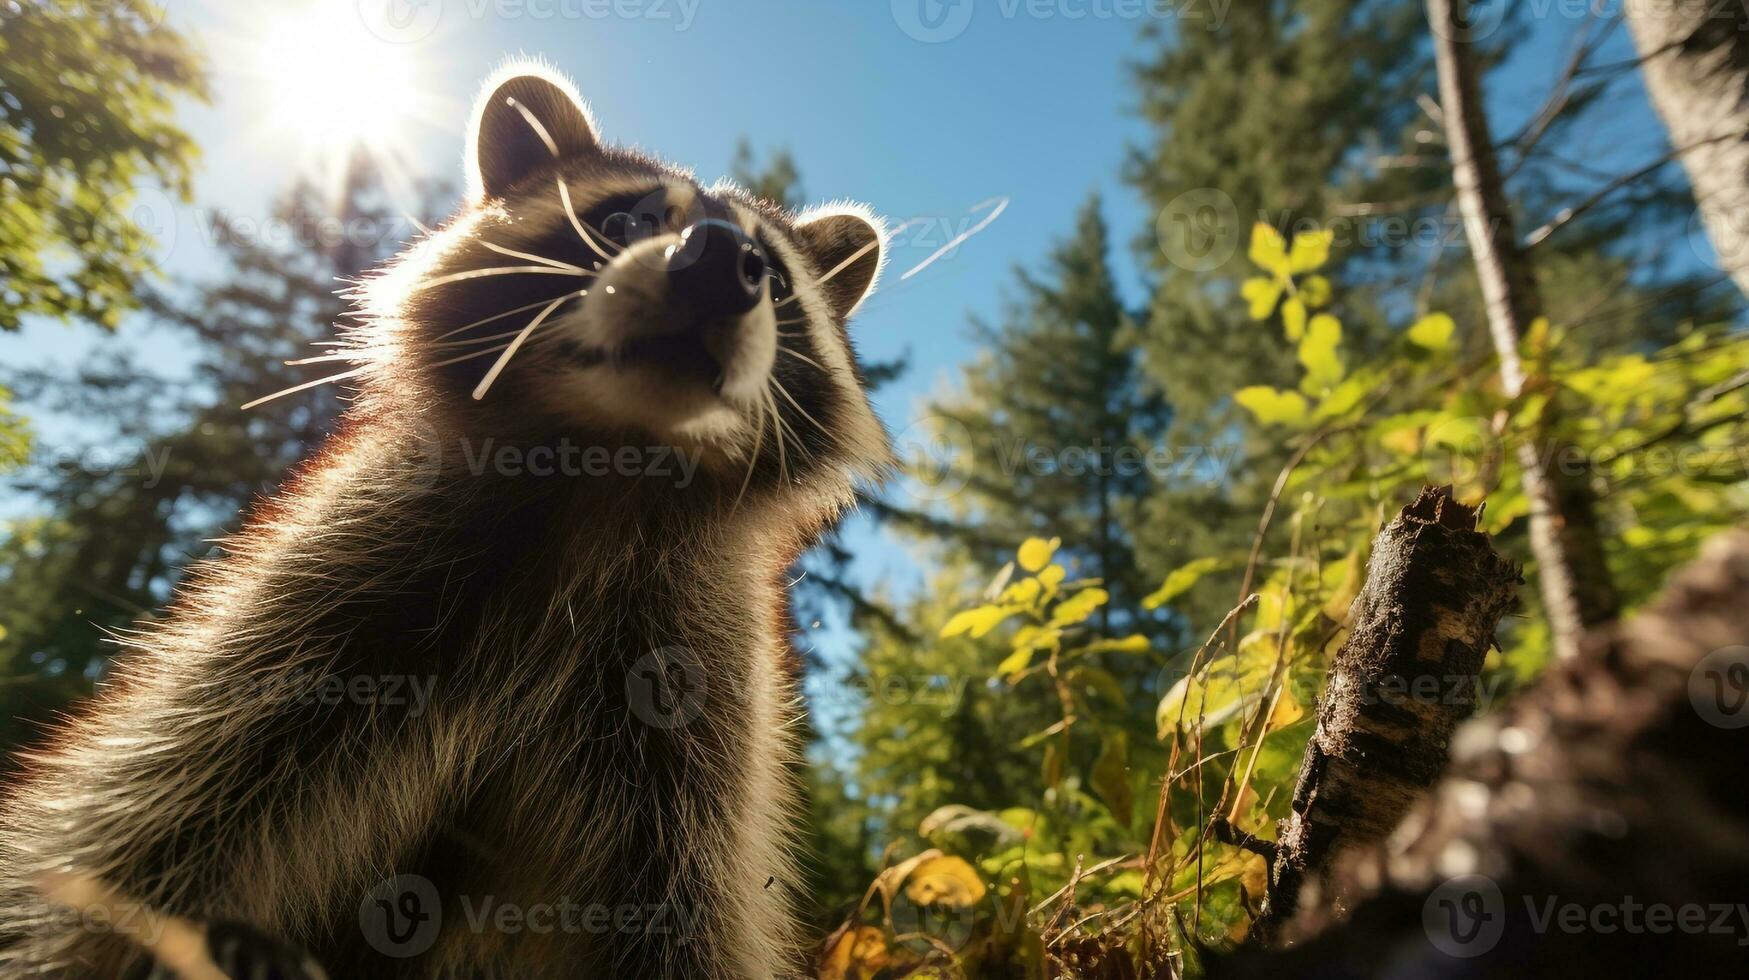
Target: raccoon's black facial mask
599	285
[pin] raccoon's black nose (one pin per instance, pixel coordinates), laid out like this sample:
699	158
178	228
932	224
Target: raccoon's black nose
717	269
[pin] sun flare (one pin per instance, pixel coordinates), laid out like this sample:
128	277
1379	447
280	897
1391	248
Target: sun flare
321	87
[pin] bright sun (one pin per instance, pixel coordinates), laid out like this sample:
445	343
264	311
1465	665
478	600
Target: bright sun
322	86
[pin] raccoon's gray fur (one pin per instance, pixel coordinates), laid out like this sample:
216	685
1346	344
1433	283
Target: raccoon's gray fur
603	742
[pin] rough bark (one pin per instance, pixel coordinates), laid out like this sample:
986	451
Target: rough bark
1614	786
1572	575
1399	686
1695	61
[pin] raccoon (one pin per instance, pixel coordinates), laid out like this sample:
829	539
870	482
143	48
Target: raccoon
498	685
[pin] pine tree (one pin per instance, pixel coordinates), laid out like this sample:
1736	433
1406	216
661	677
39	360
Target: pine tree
113	540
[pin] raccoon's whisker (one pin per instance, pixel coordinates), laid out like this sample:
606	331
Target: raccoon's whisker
351	355
510	351
777	431
577	223
534	124
555	263
504	270
752	458
804	357
798	406
840	267
469	357
500	316
294	389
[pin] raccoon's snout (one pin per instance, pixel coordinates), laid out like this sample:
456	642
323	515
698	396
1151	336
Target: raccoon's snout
717	270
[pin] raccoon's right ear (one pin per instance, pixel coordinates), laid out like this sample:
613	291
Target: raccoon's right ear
525	121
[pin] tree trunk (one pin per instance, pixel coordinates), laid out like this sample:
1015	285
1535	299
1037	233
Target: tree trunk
1572	575
1695	56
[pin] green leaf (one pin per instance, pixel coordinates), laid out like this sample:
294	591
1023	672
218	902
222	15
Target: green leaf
1111	776
976	622
1078	607
1311	250
1260	296
1180	582
1323	365
1272	407
1269	250
1035	553
1434	332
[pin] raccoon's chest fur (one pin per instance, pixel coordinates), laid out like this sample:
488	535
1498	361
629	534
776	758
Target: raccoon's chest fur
491	693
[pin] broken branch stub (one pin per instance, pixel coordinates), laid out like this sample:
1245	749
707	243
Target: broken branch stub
1397	689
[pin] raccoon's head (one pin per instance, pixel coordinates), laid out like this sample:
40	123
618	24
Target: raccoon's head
598	294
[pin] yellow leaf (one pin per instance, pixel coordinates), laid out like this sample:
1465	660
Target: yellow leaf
1078	607
1433	332
1260	296
1310	251
1052	577
946	881
1035	553
1316	291
1272	407
1287	711
1269	249
1293	319
976	622
1180	582
1015	662
1318	353
858	954
1023	592
1134	643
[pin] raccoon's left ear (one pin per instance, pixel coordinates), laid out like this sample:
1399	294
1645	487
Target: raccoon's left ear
525	121
849	246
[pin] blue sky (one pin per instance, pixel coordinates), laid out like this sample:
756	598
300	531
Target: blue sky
1013	99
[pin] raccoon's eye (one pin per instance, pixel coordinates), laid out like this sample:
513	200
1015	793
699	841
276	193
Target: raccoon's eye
623	228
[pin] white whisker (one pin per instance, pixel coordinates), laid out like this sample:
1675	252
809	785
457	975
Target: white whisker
294	389
840	267
960	239
577	223
510	351
500	316
798	407
753	458
507	270
555	263
535	124
804	357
